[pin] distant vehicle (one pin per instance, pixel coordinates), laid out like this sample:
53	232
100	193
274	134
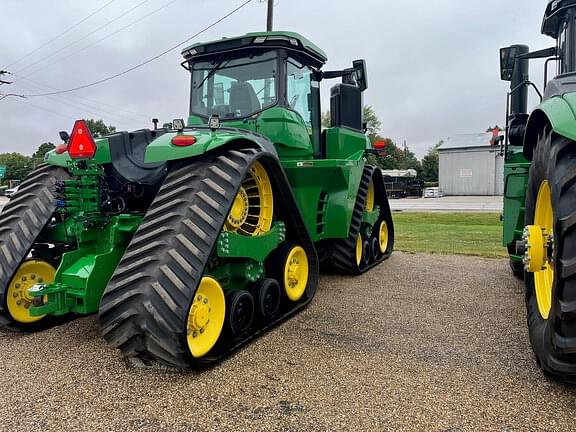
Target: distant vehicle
433	192
10	192
402	183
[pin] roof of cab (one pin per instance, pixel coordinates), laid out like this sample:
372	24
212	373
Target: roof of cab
285	39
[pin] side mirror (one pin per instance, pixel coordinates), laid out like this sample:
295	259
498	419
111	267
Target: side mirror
360	74
507	61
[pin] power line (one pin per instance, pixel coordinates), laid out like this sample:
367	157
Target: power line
60	35
42	87
101	39
74	42
139	65
44	109
115	117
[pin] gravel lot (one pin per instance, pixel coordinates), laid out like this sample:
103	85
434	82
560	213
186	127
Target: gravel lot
441	348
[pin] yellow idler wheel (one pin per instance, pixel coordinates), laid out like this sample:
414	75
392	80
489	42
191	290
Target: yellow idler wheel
296	273
383	236
359	249
206	317
370	197
539	238
253	207
18	300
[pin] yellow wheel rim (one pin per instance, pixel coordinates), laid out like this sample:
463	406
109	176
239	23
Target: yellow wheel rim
359	247
544	276
383	236
205	317
253	207
18	300
370	197
296	273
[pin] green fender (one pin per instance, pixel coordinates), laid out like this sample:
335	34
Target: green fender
162	149
559	112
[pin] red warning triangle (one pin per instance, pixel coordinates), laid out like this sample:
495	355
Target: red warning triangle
81	144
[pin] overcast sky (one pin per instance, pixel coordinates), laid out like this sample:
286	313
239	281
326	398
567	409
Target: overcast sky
432	65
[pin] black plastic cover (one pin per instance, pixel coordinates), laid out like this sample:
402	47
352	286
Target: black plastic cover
346	106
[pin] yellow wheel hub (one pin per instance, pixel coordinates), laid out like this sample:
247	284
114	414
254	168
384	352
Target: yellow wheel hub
296	273
359	248
206	317
18	300
370	197
383	236
253	207
539	239
239	211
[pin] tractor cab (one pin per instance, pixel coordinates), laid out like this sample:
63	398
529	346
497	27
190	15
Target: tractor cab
560	23
270	83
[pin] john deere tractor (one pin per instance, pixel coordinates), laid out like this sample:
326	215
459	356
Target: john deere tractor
540	190
191	240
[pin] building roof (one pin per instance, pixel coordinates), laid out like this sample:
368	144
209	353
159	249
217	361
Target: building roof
467	141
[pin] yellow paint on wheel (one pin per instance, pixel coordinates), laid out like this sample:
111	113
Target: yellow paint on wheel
370	197
296	273
253	207
18	300
205	317
359	249
383	236
540	237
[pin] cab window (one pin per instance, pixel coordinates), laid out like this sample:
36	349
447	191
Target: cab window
298	89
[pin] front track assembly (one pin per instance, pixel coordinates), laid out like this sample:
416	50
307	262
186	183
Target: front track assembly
162	291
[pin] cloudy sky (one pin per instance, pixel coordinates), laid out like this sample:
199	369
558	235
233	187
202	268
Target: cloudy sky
432	65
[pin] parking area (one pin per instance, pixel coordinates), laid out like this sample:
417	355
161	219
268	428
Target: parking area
423	343
449	203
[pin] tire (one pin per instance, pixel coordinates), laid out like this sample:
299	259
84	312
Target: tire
267	296
554	339
239	311
21	223
517	268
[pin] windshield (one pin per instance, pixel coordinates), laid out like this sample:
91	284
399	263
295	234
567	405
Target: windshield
234	88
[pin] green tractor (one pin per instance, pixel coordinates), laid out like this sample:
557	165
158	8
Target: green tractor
540	190
191	240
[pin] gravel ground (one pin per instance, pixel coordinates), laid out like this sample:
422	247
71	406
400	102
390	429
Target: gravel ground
401	348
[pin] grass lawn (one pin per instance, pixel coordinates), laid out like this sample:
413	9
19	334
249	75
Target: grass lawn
450	233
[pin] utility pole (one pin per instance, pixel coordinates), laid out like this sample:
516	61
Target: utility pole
270	18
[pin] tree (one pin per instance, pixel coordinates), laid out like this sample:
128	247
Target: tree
373	123
39	154
17	166
99	128
430	163
491	128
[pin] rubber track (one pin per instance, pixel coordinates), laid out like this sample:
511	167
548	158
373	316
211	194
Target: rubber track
21	222
343	252
144	309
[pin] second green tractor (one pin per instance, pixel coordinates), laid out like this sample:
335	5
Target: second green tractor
540	190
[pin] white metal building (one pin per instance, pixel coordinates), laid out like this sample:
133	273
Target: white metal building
470	165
